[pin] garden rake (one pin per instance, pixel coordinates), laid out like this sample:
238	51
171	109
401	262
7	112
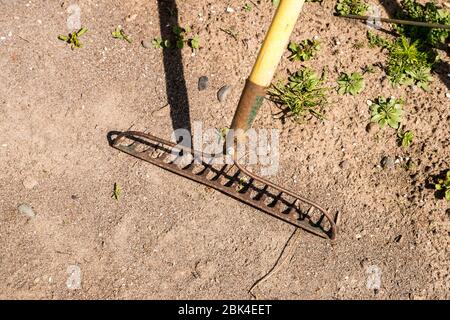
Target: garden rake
234	179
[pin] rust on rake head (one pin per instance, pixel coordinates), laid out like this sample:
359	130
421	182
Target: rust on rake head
233	180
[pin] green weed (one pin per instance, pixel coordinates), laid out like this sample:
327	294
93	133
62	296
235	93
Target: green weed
352	83
387	112
72	38
304	50
302	94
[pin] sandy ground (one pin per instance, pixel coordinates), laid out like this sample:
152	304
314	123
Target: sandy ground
171	238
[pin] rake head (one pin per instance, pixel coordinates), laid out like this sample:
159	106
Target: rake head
231	179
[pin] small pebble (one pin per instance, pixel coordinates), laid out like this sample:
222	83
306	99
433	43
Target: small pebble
147	43
369	102
344	165
26	210
387	162
203	83
447	94
372	128
223	93
230	10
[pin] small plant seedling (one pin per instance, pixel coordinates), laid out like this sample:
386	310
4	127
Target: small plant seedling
72	38
405	138
345	7
377	41
116	191
179	33
120	34
194	43
302	95
420	76
304	50
352	83
387	112
158	43
241	184
443	185
222	133
247	7
180	40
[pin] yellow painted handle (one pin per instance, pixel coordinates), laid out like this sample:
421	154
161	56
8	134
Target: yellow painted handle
276	41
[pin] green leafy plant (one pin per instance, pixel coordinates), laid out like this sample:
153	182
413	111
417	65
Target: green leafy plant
352	83
377	41
443	185
302	94
222	133
345	7
120	34
194	43
304	50
408	63
421	76
179	33
72	38
241	184
405	138
387	112
428	12
412	56
158	43
247	7
180	38
116	191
